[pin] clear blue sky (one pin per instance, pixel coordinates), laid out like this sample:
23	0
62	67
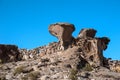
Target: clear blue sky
25	22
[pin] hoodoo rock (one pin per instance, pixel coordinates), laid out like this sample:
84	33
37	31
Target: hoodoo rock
63	31
91	46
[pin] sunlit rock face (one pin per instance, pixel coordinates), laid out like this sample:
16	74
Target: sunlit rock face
91	47
71	58
63	31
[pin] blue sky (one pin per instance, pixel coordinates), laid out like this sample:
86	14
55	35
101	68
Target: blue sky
25	22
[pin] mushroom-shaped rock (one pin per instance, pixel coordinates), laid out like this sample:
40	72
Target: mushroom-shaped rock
63	31
87	33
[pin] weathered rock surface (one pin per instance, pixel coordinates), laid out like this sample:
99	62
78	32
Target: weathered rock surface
65	65
9	53
63	31
80	58
84	33
92	49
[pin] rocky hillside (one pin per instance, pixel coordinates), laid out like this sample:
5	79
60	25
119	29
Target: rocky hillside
70	58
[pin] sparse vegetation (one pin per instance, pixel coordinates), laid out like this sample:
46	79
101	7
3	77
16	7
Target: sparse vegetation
18	70
87	67
2	78
1	61
73	74
1	67
24	78
31	76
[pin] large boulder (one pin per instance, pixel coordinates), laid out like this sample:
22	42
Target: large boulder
9	53
63	31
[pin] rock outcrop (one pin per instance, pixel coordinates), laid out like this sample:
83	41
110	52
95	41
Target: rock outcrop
84	33
63	31
70	58
92	47
9	53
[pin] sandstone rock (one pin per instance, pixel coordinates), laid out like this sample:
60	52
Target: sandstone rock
25	57
27	69
45	77
95	53
73	57
5	68
63	31
9	53
9	76
105	41
87	33
81	56
35	68
92	49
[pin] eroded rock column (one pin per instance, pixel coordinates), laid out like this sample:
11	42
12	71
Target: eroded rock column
92	47
63	31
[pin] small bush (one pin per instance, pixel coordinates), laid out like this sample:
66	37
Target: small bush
73	74
1	61
24	78
87	67
31	76
18	70
1	66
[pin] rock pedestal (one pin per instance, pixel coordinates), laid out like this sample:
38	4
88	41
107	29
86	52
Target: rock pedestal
63	31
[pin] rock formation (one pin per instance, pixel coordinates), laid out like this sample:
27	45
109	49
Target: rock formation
63	31
92	47
9	53
84	33
70	58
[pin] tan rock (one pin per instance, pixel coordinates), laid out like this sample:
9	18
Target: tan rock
63	31
87	33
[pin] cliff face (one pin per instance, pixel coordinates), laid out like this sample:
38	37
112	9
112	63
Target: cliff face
70	58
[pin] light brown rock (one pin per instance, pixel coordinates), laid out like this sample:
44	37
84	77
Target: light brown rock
87	33
63	31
